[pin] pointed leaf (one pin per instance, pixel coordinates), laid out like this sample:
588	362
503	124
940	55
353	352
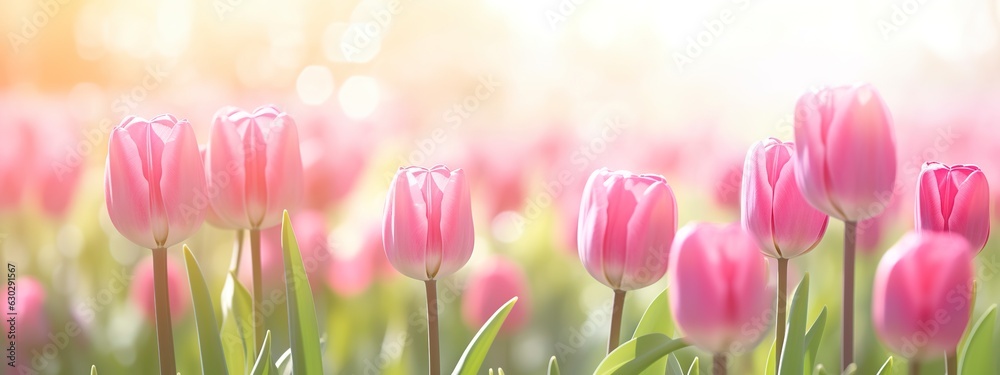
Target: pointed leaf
813	338
820	370
213	359
886	367
673	365
771	362
793	351
475	353
238	339
694	369
93	369
851	369
263	366
656	319
303	328
979	353
638	354
553	366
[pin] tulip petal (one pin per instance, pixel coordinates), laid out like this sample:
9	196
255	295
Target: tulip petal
696	290
621	205
592	225
970	213
404	229
797	226
126	190
283	171
226	174
651	231
756	212
182	183
812	119
929	212
456	227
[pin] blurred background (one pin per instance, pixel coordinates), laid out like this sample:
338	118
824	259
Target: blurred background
528	97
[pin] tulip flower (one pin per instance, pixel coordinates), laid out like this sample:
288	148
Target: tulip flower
954	199
921	303
152	184
427	233
142	288
335	151
490	288
845	164
254	173
16	157
626	225
718	287
29	309
776	215
59	167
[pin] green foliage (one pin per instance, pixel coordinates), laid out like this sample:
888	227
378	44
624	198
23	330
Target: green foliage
638	354
213	358
474	355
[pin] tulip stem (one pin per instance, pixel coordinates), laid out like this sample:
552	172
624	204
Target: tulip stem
234	264
847	339
161	302
433	340
779	326
719	364
616	320
951	360
258	288
914	367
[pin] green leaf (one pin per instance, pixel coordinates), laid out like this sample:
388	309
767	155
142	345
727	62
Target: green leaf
553	366
820	370
475	353
694	369
213	359
770	364
656	319
263	364
93	369
851	369
284	361
638	354
238	336
813	338
793	352
886	367
673	365
302	326
978	353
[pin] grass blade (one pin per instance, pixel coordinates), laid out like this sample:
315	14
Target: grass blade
475	353
213	358
303	328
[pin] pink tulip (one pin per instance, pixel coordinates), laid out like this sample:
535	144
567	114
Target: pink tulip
490	288
774	211
153	180
17	153
59	165
729	178
627	223
335	150
253	166
718	286
142	289
427	226
32	321
846	154
920	303
954	199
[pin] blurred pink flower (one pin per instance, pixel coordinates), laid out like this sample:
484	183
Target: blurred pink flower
335	152
142	287
60	165
17	155
954	199
491	286
501	176
32	321
729	181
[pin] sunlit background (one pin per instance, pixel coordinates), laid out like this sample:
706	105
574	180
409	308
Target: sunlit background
527	96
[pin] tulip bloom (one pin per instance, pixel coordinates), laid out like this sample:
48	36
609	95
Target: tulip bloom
32	323
774	211
152	181
490	288
913	305
17	153
142	289
954	199
718	286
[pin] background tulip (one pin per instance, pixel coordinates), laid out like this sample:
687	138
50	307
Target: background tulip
16	157
626	225
427	226
141	292
153	180
253	166
774	211
954	199
32	323
489	288
914	305
718	285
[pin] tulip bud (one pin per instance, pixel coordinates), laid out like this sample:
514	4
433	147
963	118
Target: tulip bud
142	289
846	151
153	180
427	224
253	166
954	199
490	288
921	303
718	286
626	225
774	211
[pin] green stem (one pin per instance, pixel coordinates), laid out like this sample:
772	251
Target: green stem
433	339
258	288
914	367
952	362
234	263
719	364
779	326
616	320
847	340
161	302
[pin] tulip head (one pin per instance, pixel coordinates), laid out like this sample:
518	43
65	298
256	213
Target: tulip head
627	223
253	166
718	286
427	223
153	180
845	151
920	304
491	287
774	211
954	199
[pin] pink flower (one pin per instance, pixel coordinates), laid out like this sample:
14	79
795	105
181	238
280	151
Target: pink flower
253	166
334	154
153	180
846	154
718	286
427	226
954	199
59	165
32	321
492	286
142	289
17	154
774	211
920	303
626	225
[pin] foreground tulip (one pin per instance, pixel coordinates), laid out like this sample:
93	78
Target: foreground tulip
776	214
718	287
254	173
152	182
921	303
954	199
427	233
490	288
626	225
142	287
846	167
